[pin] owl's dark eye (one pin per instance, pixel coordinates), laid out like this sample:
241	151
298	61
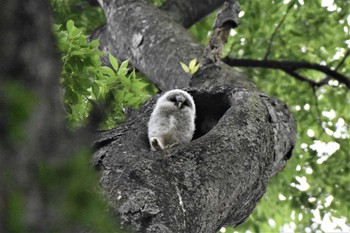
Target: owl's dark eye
173	99
187	103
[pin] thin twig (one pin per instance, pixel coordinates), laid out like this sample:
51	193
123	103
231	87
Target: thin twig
343	60
268	51
318	112
291	67
301	78
328	78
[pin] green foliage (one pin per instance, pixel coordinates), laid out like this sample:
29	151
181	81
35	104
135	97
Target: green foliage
15	208
86	17
19	103
85	80
319	34
79	202
203	29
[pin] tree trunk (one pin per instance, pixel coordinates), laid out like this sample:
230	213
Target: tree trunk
29	63
242	138
33	132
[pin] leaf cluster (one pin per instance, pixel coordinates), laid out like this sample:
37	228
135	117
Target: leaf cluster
191	68
78	202
86	81
85	16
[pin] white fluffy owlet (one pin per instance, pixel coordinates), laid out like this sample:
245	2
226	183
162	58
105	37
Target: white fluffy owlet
172	120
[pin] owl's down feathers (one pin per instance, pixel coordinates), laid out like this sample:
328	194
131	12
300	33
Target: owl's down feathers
172	120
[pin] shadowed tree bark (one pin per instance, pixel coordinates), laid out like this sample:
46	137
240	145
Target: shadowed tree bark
242	138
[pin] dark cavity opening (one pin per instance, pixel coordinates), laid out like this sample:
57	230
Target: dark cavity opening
209	109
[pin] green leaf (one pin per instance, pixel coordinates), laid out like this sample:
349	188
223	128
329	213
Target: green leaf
138	85
113	61
124	64
194	69
94	44
57	27
105	70
122	72
128	96
95	60
70	26
119	96
75	33
96	90
185	67
125	81
78	52
192	64
134	100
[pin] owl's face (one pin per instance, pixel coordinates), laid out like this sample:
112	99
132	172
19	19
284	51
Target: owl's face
179	100
174	101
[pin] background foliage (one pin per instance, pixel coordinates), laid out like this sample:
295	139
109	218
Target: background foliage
311	193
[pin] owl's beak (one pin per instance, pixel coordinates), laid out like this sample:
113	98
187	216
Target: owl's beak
179	104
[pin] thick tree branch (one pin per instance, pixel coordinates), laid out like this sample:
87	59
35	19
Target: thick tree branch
242	138
186	13
142	40
291	67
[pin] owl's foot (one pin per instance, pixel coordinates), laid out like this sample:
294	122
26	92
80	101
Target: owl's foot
172	145
155	144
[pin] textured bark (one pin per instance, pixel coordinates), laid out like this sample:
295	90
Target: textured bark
214	181
242	138
183	12
151	40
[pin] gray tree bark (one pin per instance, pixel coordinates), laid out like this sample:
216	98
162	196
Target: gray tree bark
243	137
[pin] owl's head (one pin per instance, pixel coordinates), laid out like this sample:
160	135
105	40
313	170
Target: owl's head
179	98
